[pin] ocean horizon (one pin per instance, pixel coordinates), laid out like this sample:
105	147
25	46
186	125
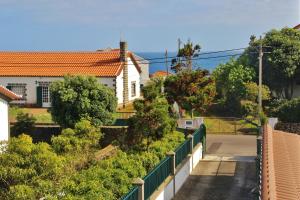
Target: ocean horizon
205	61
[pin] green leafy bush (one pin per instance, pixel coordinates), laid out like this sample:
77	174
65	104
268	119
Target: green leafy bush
81	138
249	108
82	97
151	121
289	111
29	171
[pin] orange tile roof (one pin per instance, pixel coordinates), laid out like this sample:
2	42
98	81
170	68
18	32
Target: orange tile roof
160	74
280	165
104	63
297	27
9	94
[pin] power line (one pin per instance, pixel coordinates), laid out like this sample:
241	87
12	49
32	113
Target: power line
139	62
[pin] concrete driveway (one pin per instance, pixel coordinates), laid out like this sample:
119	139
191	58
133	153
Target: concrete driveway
228	171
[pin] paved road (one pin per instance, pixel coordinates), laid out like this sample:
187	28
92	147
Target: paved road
226	173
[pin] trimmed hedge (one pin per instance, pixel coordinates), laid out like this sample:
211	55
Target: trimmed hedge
289	111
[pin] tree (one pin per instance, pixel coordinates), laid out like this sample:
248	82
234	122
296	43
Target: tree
151	121
185	56
231	79
280	63
81	97
25	124
153	89
190	89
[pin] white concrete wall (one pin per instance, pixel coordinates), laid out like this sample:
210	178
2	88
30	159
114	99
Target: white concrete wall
119	88
4	129
32	83
133	75
167	193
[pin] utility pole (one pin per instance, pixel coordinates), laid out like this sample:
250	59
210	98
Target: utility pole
260	56
166	59
179	43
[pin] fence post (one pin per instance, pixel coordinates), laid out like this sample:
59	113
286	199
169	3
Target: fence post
140	183
203	129
191	140
172	154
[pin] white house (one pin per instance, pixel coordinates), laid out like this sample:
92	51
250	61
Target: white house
5	97
30	73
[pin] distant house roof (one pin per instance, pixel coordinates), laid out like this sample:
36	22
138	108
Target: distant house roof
297	27
159	73
105	63
281	165
7	94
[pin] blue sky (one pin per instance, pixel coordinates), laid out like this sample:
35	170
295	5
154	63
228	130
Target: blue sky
147	25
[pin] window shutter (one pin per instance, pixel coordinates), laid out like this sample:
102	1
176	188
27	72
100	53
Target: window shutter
8	87
39	101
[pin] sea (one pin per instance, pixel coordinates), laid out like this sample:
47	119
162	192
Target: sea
207	60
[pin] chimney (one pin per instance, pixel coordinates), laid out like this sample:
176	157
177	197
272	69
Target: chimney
123	59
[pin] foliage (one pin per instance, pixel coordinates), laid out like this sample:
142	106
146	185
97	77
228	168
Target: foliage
281	63
29	171
151	121
81	97
248	108
289	111
153	89
34	171
251	92
190	89
81	138
185	56
25	123
231	79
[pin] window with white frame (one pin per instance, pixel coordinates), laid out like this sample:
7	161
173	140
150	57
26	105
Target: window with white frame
133	88
18	88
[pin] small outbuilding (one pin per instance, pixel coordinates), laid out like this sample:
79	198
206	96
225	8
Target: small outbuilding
5	97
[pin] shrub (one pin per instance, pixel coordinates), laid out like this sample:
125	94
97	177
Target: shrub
81	97
25	124
151	121
81	138
29	171
290	111
248	108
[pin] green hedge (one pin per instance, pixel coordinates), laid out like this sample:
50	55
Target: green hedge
289	111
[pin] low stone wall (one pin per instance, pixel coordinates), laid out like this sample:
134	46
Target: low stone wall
173	184
288	127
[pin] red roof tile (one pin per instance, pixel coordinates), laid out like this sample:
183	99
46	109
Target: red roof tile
160	74
281	165
9	94
297	27
98	63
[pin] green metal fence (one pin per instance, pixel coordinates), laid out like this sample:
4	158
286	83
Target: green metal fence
157	176
197	137
182	151
164	169
133	194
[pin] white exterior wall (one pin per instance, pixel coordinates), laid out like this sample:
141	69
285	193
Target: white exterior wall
119	88
167	193
133	75
4	131
32	83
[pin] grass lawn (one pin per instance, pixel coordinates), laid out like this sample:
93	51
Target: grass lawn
41	114
221	125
